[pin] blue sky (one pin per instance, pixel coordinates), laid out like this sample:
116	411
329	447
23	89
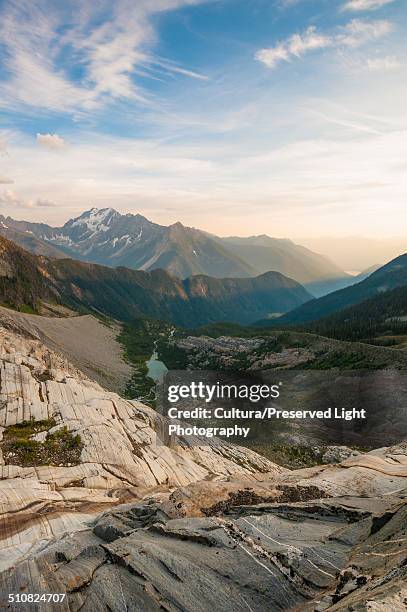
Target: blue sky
285	117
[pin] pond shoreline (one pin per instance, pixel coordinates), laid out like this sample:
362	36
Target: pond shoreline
156	369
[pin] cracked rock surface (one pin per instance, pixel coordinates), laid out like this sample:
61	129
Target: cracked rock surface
321	555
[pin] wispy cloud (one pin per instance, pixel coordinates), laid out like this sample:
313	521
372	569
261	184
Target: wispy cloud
365	5
357	33
353	34
347	123
70	57
11	200
171	67
296	45
44	203
383	64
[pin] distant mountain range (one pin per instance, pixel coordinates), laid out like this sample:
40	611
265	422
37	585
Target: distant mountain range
318	274
27	280
377	284
106	237
377	303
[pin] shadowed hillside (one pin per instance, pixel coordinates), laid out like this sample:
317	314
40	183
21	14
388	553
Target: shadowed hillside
389	276
22	282
126	294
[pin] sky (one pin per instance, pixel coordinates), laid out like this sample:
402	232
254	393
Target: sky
285	117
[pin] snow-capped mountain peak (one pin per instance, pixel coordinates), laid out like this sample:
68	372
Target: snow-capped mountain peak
95	219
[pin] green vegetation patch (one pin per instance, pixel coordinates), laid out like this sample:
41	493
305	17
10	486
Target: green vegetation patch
139	339
290	456
59	448
25	308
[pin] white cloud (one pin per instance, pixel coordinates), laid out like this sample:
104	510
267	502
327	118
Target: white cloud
365	5
45	203
11	200
273	55
51	141
309	41
296	45
353	34
383	64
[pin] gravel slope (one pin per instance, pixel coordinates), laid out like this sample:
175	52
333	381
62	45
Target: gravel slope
86	342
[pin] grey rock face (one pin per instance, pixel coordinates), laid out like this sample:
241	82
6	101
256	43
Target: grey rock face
332	554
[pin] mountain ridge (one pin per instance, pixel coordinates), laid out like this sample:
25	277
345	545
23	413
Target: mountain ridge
106	237
124	294
27	241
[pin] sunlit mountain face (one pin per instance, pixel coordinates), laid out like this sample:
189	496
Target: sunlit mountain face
106	237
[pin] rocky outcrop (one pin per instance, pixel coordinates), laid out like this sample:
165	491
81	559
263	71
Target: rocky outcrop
121	454
321	555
